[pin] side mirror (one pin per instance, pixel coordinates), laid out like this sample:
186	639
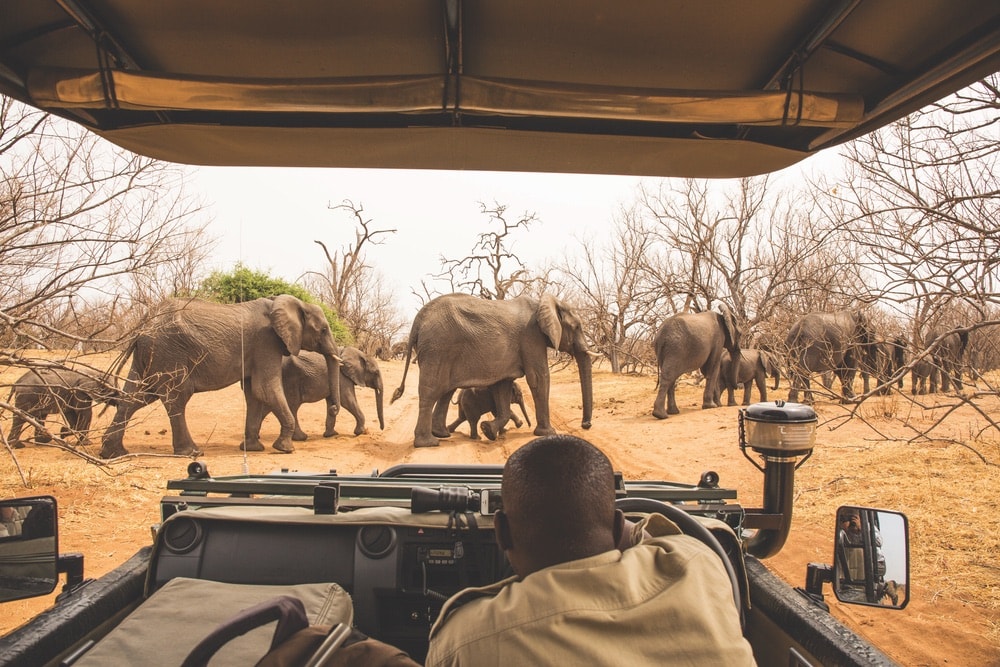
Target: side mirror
29	549
871	557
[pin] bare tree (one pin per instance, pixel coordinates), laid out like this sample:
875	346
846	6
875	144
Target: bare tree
88	233
921	205
82	224
621	300
760	250
492	270
355	289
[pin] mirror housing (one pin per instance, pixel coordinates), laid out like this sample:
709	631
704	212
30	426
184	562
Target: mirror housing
29	548
871	559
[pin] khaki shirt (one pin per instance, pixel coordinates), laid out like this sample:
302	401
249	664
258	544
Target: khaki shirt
664	601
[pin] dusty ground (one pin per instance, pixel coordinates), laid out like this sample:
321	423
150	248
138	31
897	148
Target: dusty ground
944	487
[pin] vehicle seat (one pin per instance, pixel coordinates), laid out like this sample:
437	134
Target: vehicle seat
164	628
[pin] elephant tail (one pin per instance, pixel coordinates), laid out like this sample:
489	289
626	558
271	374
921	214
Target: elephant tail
406	368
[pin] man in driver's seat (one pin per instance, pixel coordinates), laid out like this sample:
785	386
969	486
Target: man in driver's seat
576	598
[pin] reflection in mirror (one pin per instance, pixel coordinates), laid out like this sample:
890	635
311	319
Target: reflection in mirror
871	561
28	548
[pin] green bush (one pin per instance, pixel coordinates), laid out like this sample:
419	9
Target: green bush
244	284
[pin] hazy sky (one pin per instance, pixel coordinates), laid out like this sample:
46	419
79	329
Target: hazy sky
269	218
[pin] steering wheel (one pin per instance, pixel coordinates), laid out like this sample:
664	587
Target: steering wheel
689	526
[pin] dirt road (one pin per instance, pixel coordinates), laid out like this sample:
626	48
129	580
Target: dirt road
953	617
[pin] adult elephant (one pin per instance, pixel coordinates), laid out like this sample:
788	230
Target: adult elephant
829	342
691	341
465	341
304	379
189	346
754	368
948	355
41	392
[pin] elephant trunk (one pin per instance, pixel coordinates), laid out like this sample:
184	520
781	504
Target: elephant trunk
585	364
378	402
333	381
733	380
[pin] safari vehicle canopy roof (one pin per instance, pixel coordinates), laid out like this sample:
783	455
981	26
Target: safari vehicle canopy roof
645	87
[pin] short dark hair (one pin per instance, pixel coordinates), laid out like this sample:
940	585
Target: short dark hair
559	488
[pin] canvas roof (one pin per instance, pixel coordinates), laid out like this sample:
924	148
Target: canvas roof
645	87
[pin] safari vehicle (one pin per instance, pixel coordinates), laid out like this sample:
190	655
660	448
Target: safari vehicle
652	88
402	541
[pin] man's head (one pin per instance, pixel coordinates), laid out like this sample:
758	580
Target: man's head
559	504
850	520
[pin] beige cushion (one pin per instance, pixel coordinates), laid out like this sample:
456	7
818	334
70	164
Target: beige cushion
164	628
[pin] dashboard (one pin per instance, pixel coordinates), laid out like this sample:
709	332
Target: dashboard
399	568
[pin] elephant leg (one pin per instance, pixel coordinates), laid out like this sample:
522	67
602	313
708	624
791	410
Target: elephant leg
112	442
803	384
267	394
40	435
708	398
80	424
349	402
283	443
761	382
113	438
458	422
665	388
538	383
474	427
730	396
422	436
955	376
256	412
182	440
501	393
439	418
846	377
672	399
517	420
796	384
14	438
298	435
747	387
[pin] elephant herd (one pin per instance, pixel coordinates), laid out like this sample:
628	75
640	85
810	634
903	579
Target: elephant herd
283	353
835	345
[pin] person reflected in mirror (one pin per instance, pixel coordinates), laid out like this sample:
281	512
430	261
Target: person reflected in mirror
11	519
851	544
575	597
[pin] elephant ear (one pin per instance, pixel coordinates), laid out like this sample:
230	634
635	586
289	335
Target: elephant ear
729	325
548	319
287	321
353	373
864	329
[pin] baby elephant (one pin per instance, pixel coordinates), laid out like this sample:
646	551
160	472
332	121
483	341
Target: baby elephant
45	391
475	402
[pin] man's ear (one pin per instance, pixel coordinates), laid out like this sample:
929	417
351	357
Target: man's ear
501	528
619	529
